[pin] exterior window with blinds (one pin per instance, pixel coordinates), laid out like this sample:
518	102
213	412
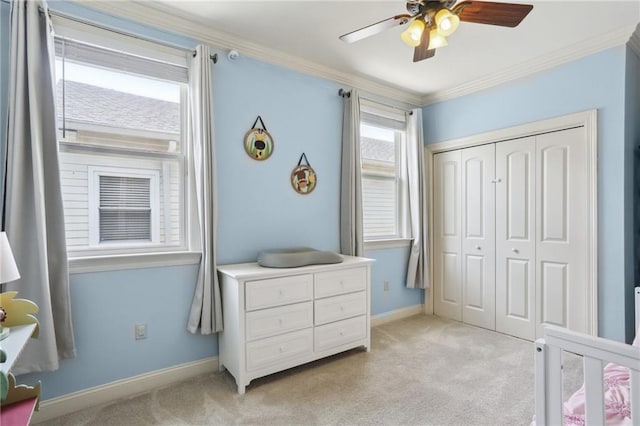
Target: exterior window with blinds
382	136
125	206
121	120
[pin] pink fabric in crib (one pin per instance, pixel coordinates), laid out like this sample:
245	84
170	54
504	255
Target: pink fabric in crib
617	399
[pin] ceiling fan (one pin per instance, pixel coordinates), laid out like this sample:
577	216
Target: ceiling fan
434	20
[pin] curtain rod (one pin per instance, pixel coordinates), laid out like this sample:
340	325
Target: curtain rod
347	93
213	57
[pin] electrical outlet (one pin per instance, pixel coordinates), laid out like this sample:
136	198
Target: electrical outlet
140	330
386	286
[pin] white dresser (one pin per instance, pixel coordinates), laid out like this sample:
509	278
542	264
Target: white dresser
276	318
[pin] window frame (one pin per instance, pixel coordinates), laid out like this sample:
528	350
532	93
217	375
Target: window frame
136	255
382	116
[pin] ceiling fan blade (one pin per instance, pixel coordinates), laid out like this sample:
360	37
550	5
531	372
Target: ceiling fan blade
422	51
376	28
492	13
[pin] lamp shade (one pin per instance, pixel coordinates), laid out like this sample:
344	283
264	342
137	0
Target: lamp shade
436	40
8	269
447	22
413	34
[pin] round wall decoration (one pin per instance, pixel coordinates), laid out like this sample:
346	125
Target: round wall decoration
303	177
258	143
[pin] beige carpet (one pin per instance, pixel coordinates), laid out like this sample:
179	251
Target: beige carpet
421	371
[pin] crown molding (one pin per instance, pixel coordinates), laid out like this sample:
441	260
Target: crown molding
159	17
562	56
634	41
156	17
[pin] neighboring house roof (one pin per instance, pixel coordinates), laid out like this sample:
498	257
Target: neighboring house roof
373	149
106	107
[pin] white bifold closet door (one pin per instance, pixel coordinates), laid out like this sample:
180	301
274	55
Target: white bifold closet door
448	243
515	237
561	230
465	227
478	236
510	220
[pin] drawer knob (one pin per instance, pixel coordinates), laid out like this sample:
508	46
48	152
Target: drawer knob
281	349
280	292
341	308
280	321
342	333
341	283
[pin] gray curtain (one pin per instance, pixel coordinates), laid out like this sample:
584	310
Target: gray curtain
351	237
417	272
206	309
33	212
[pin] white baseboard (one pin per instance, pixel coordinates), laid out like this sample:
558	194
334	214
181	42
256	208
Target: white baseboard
120	389
396	315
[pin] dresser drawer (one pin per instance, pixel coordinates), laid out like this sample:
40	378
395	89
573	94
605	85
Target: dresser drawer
340	333
339	282
340	307
278	291
280	349
272	321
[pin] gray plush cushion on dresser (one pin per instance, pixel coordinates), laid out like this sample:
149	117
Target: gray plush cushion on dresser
297	256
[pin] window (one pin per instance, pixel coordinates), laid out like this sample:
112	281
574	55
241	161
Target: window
382	152
124	206
121	120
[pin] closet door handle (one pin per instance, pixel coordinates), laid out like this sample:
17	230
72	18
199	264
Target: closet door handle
515	250
496	180
478	248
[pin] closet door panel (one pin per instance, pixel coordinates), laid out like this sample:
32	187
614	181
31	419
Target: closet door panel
474	289
515	237
518	289
554	180
553	292
478	236
450	278
561	247
447	237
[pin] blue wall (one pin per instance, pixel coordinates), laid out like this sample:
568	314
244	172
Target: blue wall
105	306
257	206
391	266
258	209
632	168
593	82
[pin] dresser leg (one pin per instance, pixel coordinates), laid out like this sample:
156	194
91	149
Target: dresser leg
241	389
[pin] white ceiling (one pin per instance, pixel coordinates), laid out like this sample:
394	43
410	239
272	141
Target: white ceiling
554	31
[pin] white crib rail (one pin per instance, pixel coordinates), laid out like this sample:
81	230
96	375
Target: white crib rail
596	352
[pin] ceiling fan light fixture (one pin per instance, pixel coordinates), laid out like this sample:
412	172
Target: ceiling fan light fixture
447	22
413	34
436	40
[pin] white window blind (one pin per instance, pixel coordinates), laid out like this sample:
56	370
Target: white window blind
125	208
380	206
75	51
382	115
91	34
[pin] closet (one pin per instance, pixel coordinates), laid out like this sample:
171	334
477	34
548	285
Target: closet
510	227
